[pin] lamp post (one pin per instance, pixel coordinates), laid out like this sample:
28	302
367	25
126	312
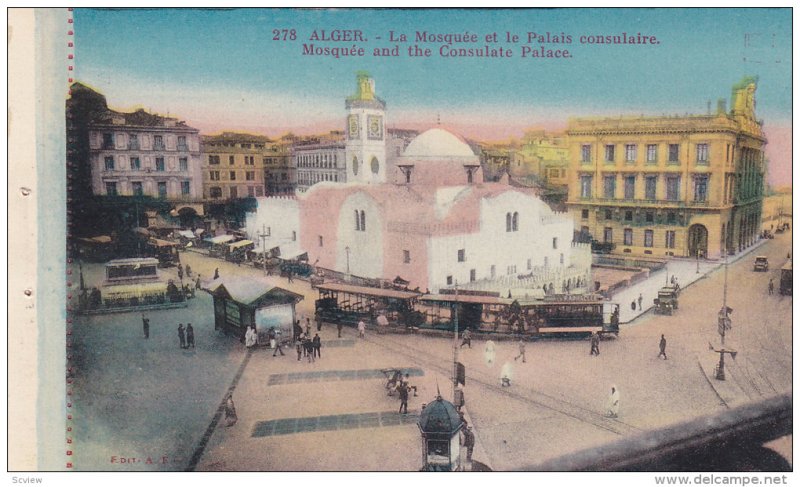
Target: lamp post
347	251
698	261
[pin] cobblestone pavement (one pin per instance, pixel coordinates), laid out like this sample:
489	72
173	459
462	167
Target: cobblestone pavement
555	405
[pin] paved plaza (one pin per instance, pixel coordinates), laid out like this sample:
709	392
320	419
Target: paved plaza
149	398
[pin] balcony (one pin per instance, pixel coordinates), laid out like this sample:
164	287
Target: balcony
646	202
183	147
133	145
160	147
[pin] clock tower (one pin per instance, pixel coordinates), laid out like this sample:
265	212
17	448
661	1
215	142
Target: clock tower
365	148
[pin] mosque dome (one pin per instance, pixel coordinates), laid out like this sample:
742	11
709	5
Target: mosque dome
438	143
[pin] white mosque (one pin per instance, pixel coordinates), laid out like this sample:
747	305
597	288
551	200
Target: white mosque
431	220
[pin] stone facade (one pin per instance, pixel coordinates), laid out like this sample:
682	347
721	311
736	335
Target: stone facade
683	186
144	154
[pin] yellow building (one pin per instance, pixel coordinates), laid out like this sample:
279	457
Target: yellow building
233	165
684	186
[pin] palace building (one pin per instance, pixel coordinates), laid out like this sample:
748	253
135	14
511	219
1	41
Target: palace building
685	186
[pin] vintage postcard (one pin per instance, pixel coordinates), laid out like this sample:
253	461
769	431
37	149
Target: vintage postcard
525	240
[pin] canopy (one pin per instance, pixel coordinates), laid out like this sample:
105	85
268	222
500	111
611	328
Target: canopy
292	253
101	239
367	291
161	243
186	234
240	244
221	239
250	290
465	298
133	290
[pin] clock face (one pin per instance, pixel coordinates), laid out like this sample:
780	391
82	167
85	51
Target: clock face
352	125
375	125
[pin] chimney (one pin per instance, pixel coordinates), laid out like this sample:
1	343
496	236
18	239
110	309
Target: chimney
721	106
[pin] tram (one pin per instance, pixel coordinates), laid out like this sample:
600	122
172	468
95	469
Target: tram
135	282
556	315
348	304
786	278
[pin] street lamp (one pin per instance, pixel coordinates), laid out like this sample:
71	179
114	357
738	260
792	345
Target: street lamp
347	251
698	261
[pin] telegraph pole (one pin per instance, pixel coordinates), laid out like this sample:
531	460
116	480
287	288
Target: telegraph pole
455	349
263	236
723	324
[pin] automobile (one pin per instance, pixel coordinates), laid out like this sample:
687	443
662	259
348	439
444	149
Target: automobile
667	301
761	264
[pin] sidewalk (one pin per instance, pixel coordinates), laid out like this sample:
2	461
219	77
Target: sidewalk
686	271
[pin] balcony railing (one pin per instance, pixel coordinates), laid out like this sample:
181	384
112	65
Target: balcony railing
183	147
646	202
159	147
133	145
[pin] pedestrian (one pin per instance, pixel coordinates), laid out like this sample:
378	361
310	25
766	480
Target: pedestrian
612	411
189	336
339	328
361	328
250	337
403	389
297	330
275	342
317	342
146	326
299	349
466	339
489	353
595	344
289	276
407	384
230	411
309	346
640	301
771	286
672	279
181	336
197	282
216	273
180	272
662	345
188	271
318	319
505	375
308	327
521	351
469	441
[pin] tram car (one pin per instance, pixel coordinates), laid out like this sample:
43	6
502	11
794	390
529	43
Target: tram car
135	282
554	315
786	278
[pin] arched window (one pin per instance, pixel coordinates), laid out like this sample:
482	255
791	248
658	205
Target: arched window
363	221
515	222
508	222
358	222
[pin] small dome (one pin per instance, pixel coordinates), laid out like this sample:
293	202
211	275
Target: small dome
438	143
439	416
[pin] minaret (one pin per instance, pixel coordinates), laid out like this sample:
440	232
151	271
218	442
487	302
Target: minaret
365	152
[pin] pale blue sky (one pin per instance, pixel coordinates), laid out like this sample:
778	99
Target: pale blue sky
221	69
